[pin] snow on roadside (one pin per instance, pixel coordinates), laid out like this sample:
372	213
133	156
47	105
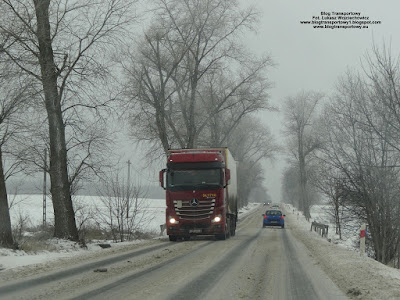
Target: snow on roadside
10	259
244	211
358	277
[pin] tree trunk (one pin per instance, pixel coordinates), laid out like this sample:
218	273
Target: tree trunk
160	122
6	238
64	217
192	114
304	201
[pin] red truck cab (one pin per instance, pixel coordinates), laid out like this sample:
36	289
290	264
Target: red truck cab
198	199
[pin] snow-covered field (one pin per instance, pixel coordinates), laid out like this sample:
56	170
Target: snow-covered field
30	208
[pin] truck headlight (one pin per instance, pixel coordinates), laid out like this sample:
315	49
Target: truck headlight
172	220
216	219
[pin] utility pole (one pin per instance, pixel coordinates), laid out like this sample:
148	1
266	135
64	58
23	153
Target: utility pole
44	187
129	172
128	189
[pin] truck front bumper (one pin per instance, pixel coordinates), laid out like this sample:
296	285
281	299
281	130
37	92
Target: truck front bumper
195	229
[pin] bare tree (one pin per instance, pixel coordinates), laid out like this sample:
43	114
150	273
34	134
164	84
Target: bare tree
329	184
381	77
191	69
13	96
123	209
300	112
150	87
291	186
250	143
61	44
361	148
222	110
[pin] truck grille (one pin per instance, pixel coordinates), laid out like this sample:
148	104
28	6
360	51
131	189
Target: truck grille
202	211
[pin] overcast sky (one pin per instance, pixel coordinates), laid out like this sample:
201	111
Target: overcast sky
308	58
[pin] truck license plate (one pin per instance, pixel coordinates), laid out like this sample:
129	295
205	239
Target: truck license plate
195	231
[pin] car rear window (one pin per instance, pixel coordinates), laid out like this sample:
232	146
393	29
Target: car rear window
273	213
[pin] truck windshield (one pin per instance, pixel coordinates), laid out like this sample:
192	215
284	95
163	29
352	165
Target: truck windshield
179	180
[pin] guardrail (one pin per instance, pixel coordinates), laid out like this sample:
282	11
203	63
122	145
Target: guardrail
322	229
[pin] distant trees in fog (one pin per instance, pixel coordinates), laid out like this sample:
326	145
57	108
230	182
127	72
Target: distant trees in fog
300	127
357	165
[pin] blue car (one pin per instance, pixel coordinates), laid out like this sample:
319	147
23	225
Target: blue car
274	217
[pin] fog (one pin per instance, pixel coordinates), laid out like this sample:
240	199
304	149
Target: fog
309	58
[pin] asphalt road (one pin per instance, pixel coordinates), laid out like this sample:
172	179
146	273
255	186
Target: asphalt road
257	263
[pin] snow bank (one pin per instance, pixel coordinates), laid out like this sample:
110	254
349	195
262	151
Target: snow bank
359	277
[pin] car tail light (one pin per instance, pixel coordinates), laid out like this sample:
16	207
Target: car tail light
265	217
282	217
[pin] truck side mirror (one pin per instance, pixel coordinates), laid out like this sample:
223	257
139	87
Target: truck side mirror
161	178
227	175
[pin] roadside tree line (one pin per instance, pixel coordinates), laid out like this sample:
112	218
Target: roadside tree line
191	82
181	78
347	150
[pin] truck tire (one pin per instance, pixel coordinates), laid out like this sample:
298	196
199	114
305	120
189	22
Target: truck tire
227	233
233	227
172	238
228	228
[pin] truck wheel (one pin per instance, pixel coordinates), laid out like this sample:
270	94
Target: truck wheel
172	238
228	227
233	228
